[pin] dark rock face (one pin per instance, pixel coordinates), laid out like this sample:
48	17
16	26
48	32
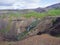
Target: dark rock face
39	33
53	30
56	27
56	21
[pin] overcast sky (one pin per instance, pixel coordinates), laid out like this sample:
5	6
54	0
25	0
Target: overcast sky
24	4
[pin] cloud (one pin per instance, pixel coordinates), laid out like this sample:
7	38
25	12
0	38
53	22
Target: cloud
7	1
23	4
26	4
4	4
19	4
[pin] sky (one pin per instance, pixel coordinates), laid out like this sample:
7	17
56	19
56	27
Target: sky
26	4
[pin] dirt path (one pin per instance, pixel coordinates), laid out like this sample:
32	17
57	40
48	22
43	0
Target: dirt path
43	39
40	40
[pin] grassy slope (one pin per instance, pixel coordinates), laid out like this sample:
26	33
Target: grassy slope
54	12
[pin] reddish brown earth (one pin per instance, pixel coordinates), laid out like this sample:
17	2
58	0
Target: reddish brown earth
44	39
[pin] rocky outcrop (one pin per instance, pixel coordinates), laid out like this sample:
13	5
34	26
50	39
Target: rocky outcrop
50	25
55	29
14	27
44	25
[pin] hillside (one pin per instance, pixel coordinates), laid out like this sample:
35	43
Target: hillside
39	26
55	6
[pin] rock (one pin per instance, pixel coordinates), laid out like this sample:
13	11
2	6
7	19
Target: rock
43	26
55	30
49	25
1	37
16	27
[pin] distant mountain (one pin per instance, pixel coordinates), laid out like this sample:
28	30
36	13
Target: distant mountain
23	11
39	9
54	6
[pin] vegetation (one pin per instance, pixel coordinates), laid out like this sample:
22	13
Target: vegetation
53	12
